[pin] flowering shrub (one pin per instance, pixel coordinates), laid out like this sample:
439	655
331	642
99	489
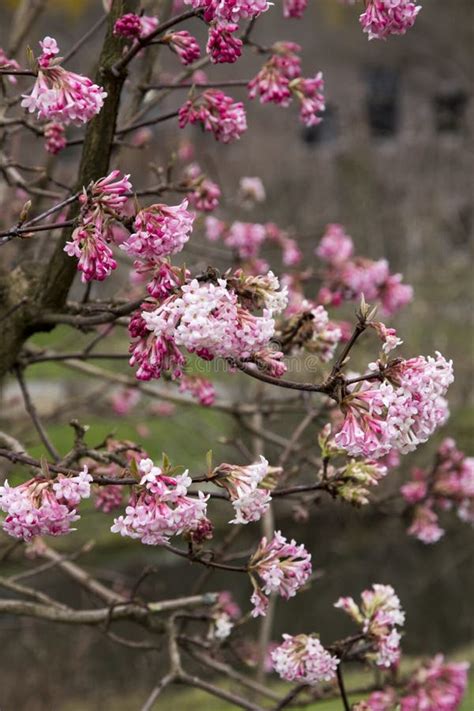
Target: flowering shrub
181	315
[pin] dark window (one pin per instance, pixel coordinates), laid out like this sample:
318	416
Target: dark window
382	101
449	107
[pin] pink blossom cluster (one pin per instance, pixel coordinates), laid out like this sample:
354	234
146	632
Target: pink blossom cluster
379	614
325	336
152	355
108	498
216	112
124	400
222	45
304	660
449	484
294	8
7	63
159	231
199	388
282	566
248	238
59	95
184	45
225	612
348	277
229	10
243	484
382	18
135	26
43	506
55	139
204	194
160	507
251	191
280	81
399	413
436	686
206	319
103	202
161	276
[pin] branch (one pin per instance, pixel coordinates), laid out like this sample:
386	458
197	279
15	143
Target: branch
31	410
142	42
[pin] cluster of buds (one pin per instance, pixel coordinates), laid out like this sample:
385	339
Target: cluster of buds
102	203
217	113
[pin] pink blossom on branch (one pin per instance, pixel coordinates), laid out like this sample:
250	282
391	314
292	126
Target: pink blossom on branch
378	615
43	506
135	26
184	45
222	46
242	483
60	95
304	660
282	566
294	8
229	10
382	18
216	112
55	139
160	230
160	507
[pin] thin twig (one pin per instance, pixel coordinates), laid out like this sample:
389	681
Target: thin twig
31	410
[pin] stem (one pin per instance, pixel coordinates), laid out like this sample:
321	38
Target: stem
342	688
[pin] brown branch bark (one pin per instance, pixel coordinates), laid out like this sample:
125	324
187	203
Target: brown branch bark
46	289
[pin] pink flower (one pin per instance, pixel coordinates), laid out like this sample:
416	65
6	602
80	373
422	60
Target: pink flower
388	17
109	194
436	686
229	10
242	484
124	400
88	245
246	238
184	45
161	507
222	46
425	525
394	295
60	95
205	193
378	701
160	230
217	113
272	83
335	246
303	659
378	615
135	26
310	93
108	498
6	63
251	191
282	566
294	8
55	139
201	389
401	412
42	506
